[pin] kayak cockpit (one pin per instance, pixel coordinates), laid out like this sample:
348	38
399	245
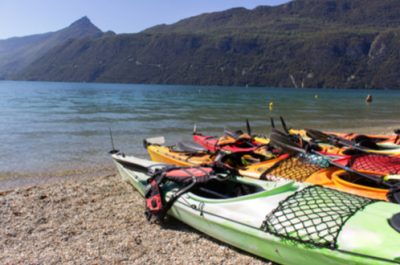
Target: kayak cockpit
239	189
215	189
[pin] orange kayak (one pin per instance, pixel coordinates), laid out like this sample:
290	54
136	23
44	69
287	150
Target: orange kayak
344	181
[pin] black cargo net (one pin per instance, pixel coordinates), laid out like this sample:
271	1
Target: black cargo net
297	168
314	215
376	163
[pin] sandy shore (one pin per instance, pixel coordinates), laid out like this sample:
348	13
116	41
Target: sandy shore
98	220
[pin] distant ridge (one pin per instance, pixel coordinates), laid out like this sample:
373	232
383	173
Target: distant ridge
304	43
18	52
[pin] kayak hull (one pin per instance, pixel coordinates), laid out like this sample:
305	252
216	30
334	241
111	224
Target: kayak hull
237	222
263	245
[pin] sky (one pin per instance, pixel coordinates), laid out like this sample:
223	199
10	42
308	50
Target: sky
26	17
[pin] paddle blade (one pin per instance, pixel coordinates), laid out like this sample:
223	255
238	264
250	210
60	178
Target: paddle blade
277	131
231	134
317	135
284	142
284	125
248	127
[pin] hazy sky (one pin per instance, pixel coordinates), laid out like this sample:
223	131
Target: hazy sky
25	17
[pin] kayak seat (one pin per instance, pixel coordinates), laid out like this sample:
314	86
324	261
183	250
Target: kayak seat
215	189
213	194
190	147
364	138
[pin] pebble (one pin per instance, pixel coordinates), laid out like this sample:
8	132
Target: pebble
98	220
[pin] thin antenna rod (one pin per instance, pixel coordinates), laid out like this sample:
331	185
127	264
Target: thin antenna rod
112	140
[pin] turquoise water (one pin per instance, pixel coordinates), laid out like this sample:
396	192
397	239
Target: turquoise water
46	126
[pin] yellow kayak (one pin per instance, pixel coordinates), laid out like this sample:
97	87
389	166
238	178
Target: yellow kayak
179	157
164	154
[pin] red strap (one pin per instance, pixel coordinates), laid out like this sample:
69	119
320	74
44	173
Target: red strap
154	202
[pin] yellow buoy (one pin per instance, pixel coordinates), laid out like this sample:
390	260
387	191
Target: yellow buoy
271	105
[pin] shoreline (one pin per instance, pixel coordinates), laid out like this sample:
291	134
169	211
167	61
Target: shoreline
10	180
98	219
15	180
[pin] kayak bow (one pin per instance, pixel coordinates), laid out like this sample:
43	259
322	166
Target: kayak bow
282	221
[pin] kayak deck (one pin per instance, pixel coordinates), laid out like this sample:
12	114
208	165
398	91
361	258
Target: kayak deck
239	220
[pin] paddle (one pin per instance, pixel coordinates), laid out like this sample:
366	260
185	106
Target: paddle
272	122
238	137
248	127
333	139
287	143
232	134
318	135
285	128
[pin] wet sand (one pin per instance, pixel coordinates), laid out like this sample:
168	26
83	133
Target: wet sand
98	220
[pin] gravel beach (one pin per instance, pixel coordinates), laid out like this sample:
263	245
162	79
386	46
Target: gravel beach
98	220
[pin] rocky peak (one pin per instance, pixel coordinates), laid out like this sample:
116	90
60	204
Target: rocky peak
83	21
84	24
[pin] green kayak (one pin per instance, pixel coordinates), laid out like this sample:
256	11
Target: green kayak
283	221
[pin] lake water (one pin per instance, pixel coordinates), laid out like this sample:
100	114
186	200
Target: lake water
48	126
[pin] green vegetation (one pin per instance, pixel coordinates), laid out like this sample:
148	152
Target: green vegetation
310	43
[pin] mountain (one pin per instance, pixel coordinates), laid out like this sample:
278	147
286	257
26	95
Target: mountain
18	52
310	43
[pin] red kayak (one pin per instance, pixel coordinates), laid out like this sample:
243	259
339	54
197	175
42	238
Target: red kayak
229	142
377	164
